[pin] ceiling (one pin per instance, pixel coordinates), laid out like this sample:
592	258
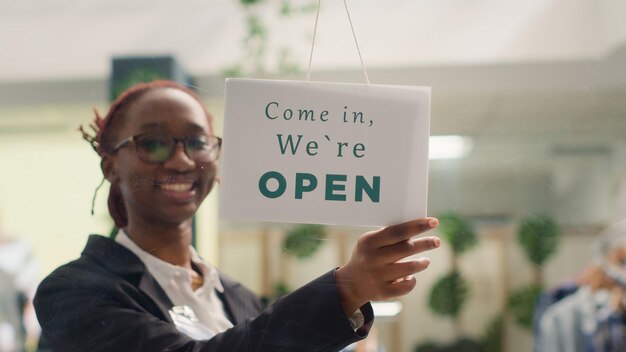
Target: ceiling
75	39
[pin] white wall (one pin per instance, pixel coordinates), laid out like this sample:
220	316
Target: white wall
46	191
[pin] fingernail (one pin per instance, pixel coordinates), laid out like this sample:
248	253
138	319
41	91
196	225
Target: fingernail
433	222
436	241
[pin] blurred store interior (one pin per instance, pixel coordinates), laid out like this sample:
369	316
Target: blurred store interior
533	93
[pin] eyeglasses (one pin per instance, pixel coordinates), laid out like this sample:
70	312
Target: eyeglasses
155	148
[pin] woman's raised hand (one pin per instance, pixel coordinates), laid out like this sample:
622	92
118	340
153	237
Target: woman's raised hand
377	271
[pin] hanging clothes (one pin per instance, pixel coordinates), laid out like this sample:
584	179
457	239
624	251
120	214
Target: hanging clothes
582	322
11	333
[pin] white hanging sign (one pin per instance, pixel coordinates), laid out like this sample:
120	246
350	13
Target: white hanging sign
329	153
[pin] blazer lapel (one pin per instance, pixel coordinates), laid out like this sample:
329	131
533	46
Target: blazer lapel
229	300
239	303
149	286
121	261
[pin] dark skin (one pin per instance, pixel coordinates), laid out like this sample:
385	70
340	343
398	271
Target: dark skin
161	200
159	220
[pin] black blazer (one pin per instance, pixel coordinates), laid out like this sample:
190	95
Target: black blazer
107	301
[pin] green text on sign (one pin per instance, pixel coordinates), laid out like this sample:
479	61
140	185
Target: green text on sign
334	188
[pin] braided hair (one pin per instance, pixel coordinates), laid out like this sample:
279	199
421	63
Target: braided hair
103	135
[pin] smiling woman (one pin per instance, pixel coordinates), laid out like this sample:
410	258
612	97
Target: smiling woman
181	174
148	290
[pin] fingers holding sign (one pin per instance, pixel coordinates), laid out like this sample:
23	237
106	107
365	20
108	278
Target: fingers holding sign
376	270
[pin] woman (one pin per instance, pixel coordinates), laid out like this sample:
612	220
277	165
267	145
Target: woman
148	290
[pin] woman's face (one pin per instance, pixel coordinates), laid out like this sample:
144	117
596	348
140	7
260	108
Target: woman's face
168	192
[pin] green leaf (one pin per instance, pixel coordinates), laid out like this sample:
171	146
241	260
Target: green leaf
285	8
232	71
539	237
304	240
250	2
493	338
457	232
280	289
256	27
522	302
448	295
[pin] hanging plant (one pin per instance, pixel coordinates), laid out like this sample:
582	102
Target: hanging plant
494	335
250	2
450	292
304	240
448	295
280	289
521	304
258	55
457	232
539	237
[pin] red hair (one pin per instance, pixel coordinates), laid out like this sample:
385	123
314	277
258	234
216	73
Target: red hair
105	130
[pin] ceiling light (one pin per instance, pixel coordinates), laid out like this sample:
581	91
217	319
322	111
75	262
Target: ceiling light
386	309
449	147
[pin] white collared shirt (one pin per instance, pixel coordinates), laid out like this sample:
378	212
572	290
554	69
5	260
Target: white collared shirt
200	313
